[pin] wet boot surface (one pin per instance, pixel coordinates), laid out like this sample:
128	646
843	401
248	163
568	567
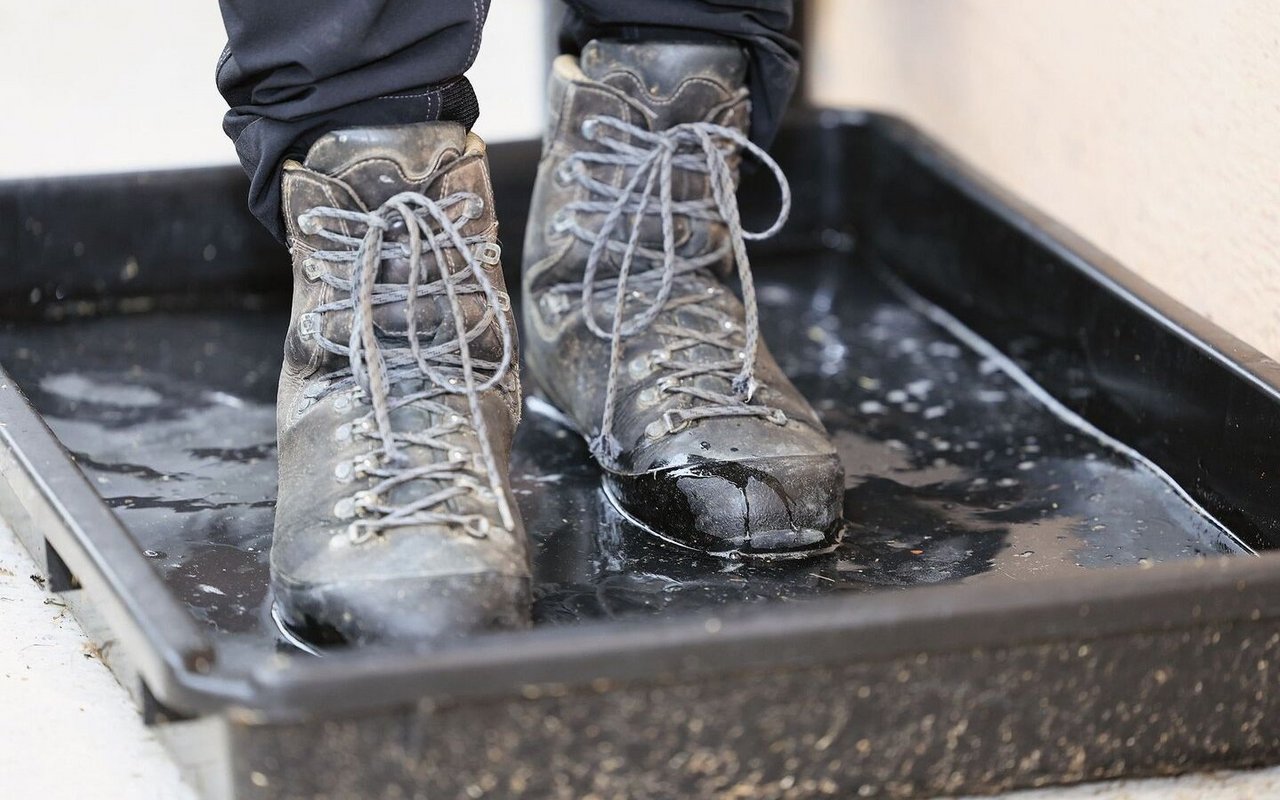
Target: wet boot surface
953	470
399	395
632	331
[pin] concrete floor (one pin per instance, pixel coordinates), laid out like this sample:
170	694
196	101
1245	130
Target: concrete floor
68	730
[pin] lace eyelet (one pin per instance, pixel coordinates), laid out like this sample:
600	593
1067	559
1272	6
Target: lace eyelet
640	366
344	508
358	535
674	421
343	472
590	126
342	433
488	253
561	222
477	526
474	207
342	402
312	268
309	224
565	174
670	422
308	325
554	304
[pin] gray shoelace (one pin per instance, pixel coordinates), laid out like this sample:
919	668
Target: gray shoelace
652	158
380	362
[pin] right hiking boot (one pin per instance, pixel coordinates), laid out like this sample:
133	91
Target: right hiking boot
399	395
633	329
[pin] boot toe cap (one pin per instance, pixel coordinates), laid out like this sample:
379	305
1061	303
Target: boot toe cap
768	507
404	610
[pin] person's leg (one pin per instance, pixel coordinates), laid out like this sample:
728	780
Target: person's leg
631	330
760	26
294	70
399	394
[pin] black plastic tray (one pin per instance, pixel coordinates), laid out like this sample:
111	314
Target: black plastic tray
1081	465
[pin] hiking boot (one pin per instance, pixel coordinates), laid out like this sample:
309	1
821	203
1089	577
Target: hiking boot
631	331
399	396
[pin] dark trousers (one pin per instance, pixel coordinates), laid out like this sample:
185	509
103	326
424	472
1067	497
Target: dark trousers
294	70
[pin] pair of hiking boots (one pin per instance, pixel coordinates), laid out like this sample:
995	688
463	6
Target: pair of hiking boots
401	390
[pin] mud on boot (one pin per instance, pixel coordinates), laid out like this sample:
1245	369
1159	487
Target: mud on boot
399	396
631	331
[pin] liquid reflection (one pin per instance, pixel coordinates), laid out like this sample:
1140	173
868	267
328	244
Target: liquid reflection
954	472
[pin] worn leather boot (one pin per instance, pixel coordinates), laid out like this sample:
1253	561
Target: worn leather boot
631	332
399	396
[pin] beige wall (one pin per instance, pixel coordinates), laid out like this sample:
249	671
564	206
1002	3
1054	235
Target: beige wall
1152	127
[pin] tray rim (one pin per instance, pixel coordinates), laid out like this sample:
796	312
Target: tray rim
1230	351
178	660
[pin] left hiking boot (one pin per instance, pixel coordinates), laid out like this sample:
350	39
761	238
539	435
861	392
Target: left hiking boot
399	396
630	329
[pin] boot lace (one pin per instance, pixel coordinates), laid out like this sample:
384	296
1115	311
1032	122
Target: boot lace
647	277
388	370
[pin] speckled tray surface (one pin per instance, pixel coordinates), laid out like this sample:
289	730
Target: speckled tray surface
955	471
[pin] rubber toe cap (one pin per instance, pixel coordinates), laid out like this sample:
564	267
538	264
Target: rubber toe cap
405	610
769	507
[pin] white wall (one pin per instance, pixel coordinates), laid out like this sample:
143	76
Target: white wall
1152	127
107	85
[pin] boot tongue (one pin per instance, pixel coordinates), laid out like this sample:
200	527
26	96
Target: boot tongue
381	162
675	81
